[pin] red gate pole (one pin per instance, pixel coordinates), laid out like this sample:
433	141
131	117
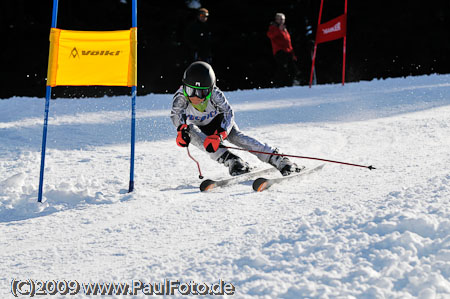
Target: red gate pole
315	45
345	45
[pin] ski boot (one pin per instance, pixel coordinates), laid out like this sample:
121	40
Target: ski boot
236	165
283	164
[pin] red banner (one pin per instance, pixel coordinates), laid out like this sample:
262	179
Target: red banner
332	30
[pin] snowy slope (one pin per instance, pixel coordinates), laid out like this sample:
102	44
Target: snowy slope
343	232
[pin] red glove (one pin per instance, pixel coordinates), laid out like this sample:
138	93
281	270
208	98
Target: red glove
183	137
212	142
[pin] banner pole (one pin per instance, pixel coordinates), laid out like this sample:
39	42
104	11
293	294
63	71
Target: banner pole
312	65
343	62
48	95
345	44
133	108
133	137
315	45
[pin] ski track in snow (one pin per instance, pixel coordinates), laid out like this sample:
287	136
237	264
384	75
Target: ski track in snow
342	232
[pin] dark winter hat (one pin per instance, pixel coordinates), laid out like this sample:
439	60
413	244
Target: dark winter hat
203	11
199	74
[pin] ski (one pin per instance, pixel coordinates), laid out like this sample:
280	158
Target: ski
261	184
208	184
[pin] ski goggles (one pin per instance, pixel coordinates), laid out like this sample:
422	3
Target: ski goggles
200	92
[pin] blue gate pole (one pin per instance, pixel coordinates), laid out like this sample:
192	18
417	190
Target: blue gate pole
133	137
133	108
48	95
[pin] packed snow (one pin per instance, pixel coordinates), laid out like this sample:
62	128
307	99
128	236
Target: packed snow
344	231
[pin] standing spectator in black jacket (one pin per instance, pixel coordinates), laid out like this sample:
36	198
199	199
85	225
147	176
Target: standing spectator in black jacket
198	37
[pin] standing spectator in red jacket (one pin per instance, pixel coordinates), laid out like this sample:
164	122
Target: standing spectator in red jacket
283	52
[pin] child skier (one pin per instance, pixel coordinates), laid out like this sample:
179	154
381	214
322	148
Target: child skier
203	116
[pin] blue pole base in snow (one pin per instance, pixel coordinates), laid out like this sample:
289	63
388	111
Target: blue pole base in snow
133	136
48	95
44	142
133	108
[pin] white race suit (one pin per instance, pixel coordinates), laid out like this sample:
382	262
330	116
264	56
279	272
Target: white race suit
218	114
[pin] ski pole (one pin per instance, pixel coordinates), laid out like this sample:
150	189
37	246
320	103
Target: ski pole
294	156
200	176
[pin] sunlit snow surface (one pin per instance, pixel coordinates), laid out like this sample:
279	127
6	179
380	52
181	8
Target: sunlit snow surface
343	232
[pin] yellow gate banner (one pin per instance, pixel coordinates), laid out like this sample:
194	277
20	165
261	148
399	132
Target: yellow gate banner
92	58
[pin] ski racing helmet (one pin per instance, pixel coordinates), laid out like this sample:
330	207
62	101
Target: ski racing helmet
198	80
